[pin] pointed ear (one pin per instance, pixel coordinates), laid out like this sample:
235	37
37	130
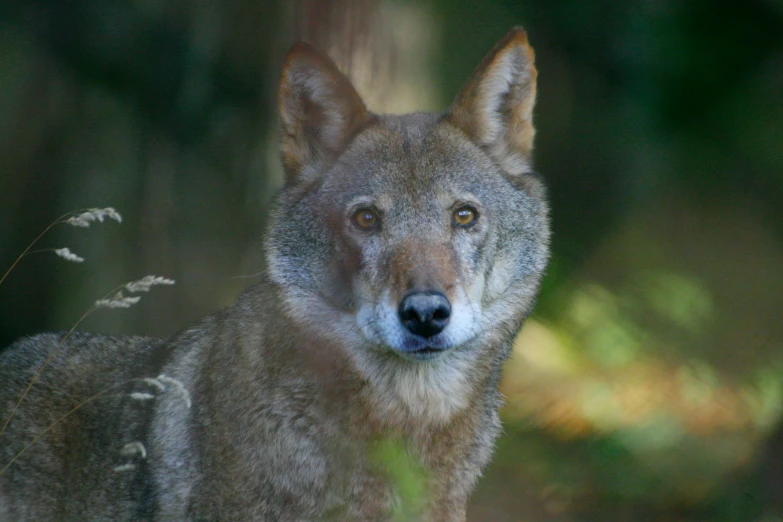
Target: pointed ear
495	109
320	111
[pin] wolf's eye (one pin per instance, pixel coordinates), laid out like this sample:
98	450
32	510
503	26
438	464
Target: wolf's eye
365	219
465	216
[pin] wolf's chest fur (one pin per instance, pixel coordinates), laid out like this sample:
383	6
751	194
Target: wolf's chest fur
403	255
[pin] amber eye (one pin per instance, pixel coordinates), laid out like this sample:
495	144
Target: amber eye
465	216
365	219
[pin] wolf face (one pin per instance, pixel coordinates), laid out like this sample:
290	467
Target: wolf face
417	240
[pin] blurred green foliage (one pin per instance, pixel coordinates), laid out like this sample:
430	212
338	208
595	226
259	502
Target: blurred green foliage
406	472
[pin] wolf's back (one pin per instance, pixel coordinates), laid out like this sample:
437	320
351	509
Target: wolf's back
83	410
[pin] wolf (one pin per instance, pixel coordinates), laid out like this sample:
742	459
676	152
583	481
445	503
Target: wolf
358	379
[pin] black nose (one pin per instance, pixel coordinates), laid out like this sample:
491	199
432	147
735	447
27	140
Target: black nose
425	313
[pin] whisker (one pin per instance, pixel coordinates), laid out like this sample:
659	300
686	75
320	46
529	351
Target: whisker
368	323
252	276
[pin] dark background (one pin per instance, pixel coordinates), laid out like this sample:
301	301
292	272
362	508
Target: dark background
648	385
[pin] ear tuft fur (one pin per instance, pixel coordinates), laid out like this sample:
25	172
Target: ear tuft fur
495	109
320	111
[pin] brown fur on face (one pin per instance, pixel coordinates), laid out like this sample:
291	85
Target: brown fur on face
419	266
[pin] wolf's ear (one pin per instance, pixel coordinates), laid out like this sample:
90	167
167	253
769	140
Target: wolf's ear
495	109
320	111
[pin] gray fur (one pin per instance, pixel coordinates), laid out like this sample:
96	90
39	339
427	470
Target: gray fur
271	409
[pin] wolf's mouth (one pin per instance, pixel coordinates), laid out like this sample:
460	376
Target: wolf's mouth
426	353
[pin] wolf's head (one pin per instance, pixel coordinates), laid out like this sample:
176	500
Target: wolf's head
417	241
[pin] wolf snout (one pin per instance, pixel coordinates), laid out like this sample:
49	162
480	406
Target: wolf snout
425	313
